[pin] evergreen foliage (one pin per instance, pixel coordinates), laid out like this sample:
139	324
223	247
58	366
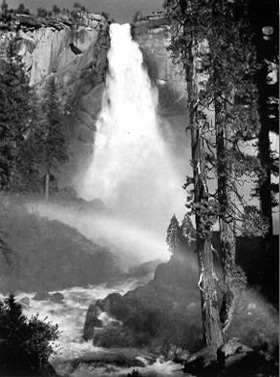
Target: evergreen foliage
18	172
173	235
56	10
42	12
180	236
53	142
21	9
47	138
25	343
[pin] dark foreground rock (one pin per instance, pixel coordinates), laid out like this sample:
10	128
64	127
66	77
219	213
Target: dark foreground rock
202	361
166	310
232	352
232	359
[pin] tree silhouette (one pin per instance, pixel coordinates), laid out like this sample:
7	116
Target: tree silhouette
16	120
51	139
173	235
25	343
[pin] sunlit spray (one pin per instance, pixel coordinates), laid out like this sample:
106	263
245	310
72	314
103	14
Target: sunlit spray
131	170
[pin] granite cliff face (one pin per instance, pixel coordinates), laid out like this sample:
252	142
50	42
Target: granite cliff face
77	57
153	36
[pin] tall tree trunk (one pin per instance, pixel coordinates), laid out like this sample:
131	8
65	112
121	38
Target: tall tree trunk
207	285
226	198
47	186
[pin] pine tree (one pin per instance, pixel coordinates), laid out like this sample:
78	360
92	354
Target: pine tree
16	100
173	235
51	136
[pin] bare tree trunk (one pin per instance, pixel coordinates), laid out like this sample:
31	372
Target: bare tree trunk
226	198
207	285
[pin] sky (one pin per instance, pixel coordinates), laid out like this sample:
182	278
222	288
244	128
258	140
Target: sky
121	10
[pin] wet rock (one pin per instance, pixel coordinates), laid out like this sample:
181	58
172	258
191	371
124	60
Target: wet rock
181	356
92	321
24	302
120	358
151	314
57	297
42	296
203	361
231	352
112	302
239	359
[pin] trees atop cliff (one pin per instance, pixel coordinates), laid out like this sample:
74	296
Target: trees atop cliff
16	120
32	133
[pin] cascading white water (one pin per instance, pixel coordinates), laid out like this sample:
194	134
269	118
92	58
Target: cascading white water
131	170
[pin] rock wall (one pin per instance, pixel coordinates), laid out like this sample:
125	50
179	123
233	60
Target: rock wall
153	36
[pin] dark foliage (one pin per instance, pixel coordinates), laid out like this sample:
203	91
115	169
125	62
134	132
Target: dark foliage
17	168
53	140
25	343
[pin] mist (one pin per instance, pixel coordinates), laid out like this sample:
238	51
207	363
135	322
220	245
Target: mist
130	242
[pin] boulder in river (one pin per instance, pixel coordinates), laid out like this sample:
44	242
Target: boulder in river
57	297
42	296
24	302
92	321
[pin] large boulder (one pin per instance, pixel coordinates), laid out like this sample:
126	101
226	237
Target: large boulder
24	302
91	321
42	296
202	361
164	310
231	352
57	297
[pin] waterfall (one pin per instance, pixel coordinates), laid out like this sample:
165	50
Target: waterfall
131	169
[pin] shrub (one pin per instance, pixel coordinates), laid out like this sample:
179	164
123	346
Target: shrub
24	343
